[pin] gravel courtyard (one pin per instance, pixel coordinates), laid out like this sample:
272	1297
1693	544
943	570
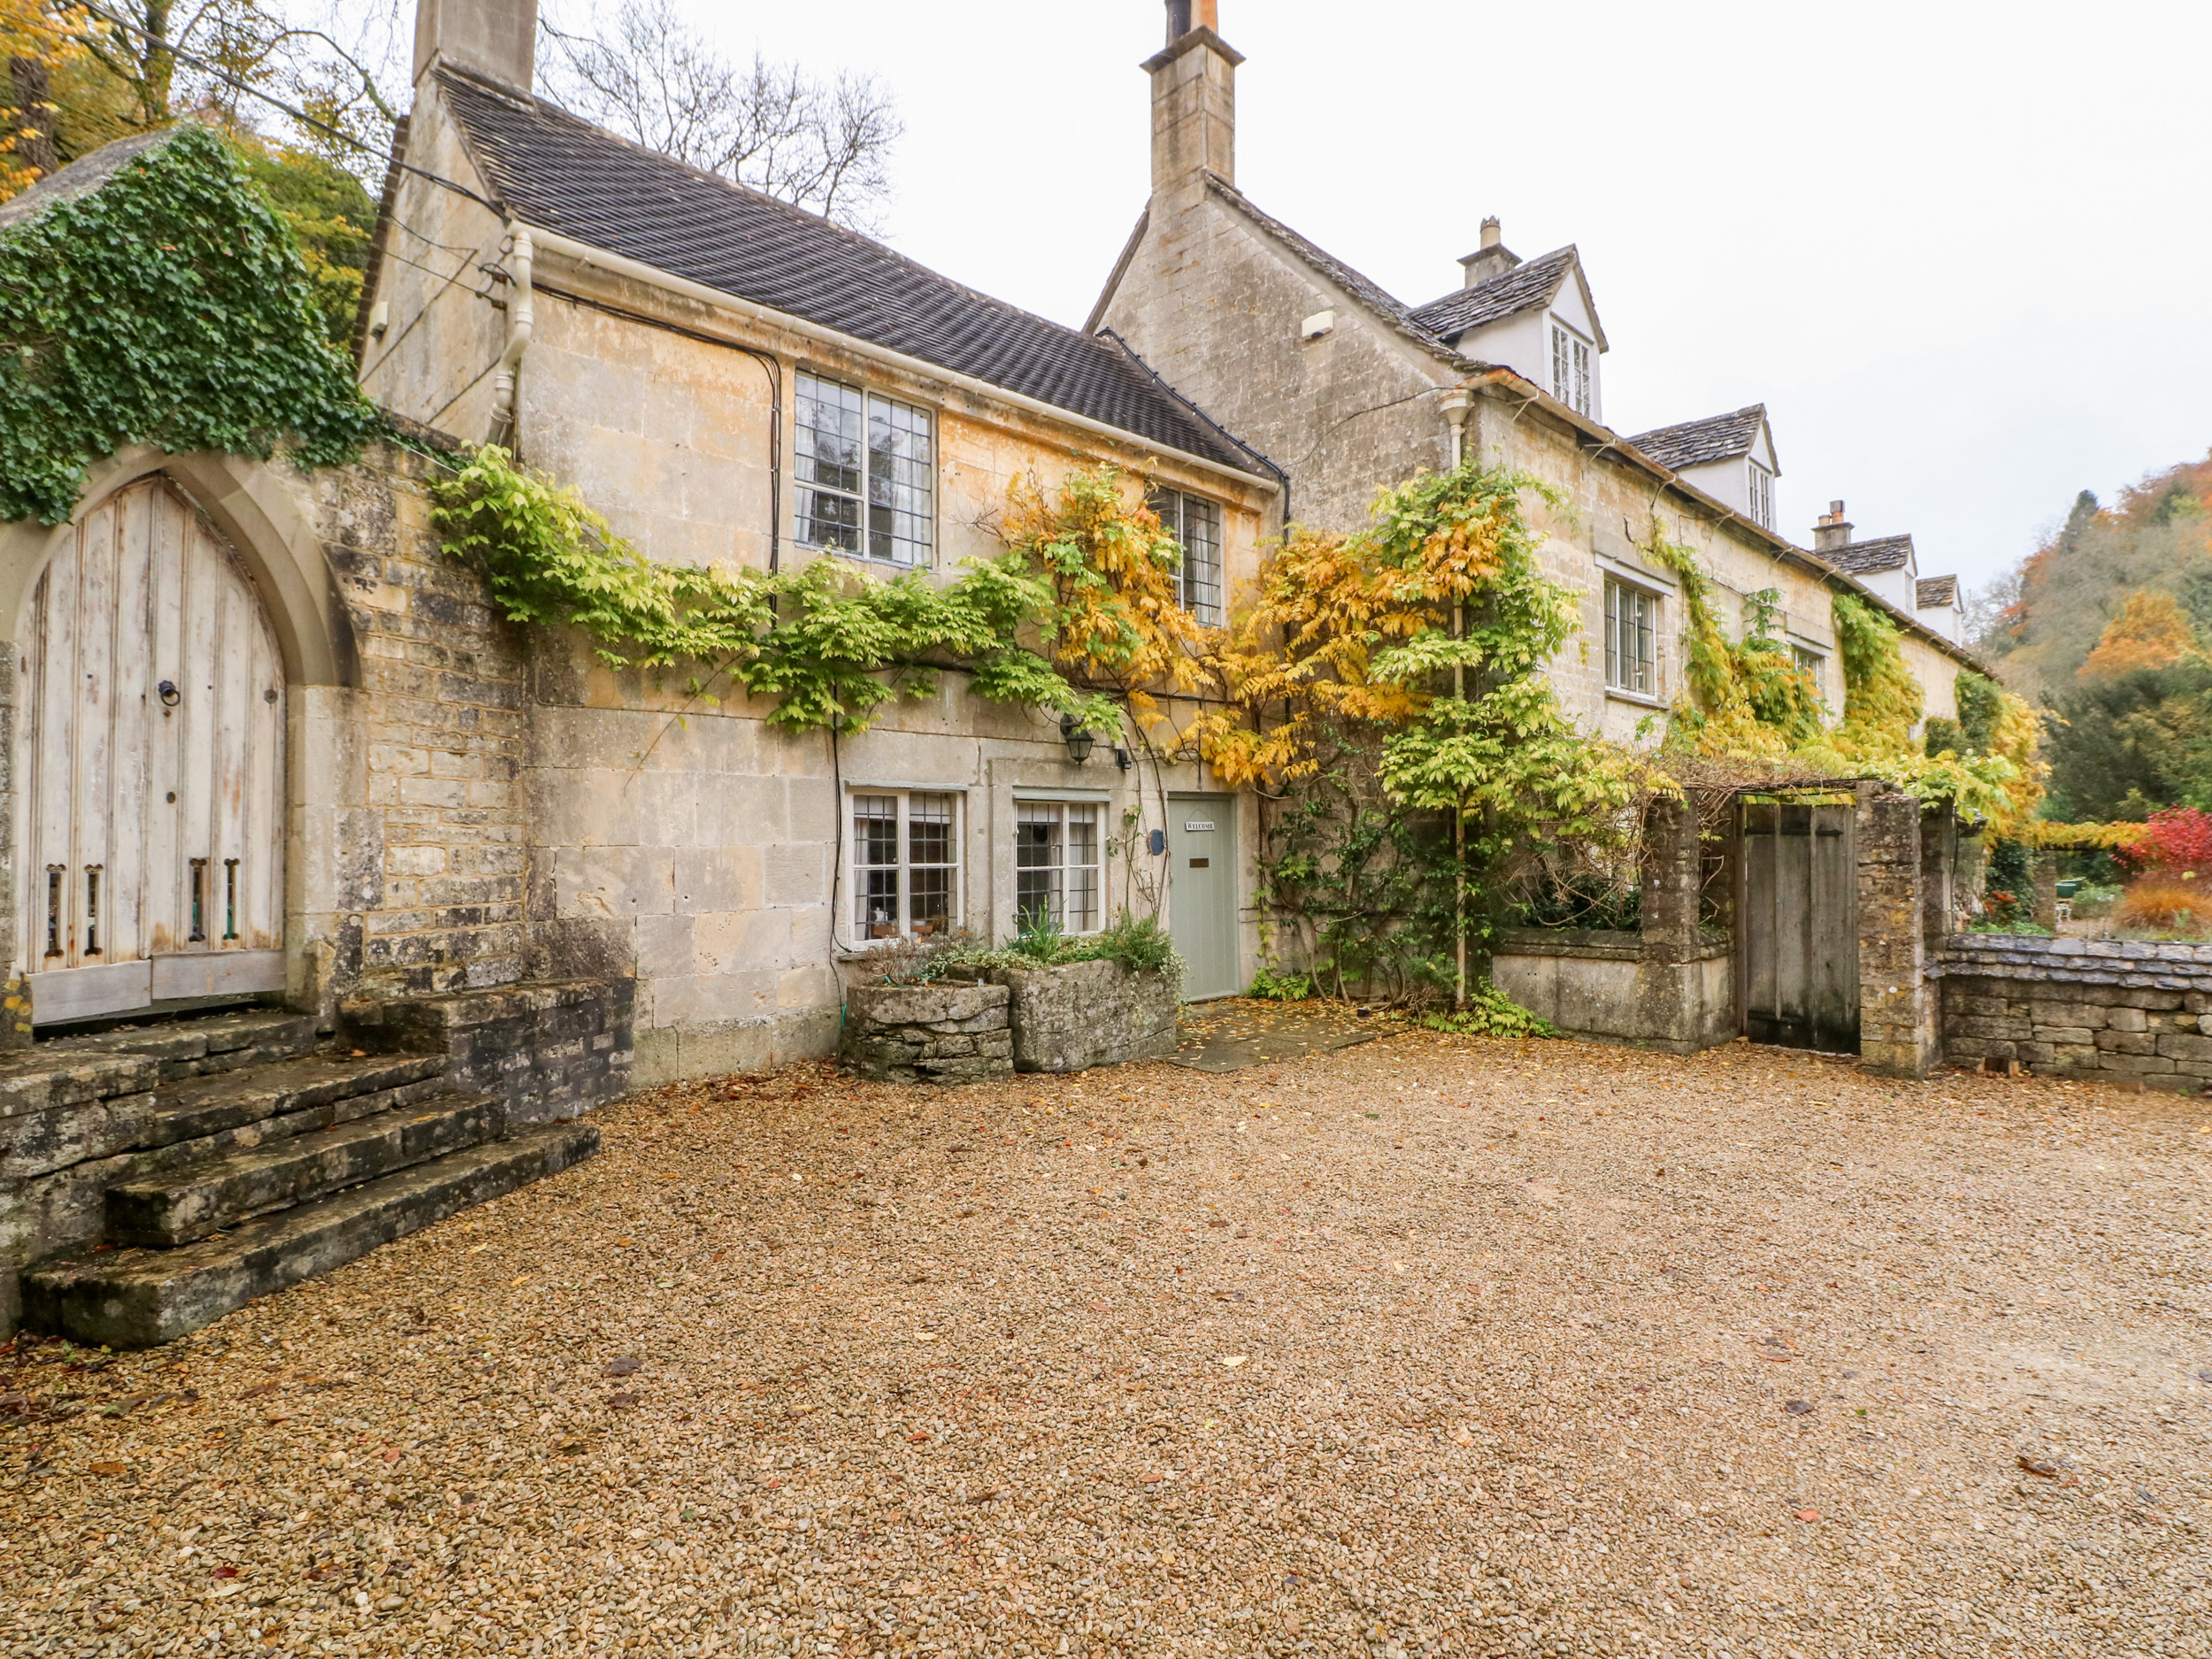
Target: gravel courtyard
1431	1346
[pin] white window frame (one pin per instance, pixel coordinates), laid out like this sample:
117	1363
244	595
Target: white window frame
1762	495
903	522
1198	584
1572	371
1030	809
1624	600
855	922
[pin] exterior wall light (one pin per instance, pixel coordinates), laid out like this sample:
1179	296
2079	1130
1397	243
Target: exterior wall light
1124	759
1079	741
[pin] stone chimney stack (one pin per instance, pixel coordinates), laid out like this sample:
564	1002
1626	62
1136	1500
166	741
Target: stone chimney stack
498	38
1492	257
1833	531
1193	98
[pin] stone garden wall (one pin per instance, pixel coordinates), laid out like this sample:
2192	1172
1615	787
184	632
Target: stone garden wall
2103	1008
1067	1019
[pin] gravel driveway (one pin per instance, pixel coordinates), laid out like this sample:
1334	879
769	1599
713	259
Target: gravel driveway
1432	1346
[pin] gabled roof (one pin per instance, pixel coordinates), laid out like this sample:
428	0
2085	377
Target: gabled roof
551	170
1869	558
1533	283
1702	442
1932	593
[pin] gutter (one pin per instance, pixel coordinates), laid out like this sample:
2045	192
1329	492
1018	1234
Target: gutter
586	257
1787	552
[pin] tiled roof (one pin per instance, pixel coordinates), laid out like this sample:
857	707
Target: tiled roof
1702	442
1932	593
1525	286
1868	558
555	171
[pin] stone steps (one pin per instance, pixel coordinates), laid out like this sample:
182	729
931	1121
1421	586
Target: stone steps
339	1086
137	1298
163	1211
193	1047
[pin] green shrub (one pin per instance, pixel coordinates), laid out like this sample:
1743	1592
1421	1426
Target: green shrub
1282	987
1490	1012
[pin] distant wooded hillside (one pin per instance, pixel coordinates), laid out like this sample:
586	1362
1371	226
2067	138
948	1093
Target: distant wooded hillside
2104	626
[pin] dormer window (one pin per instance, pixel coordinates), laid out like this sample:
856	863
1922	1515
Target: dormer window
1762	495
1570	368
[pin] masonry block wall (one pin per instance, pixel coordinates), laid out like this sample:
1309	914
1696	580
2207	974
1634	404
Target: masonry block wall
411	831
2103	1008
1897	1021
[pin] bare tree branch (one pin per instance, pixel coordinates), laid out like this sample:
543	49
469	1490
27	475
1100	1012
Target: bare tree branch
821	145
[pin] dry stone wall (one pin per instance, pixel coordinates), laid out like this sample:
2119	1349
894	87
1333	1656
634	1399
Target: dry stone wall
2104	1008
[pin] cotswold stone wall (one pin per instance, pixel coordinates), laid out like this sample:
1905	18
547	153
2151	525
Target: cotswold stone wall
2087	1007
413	835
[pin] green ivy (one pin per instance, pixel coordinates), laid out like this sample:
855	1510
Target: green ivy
826	644
170	306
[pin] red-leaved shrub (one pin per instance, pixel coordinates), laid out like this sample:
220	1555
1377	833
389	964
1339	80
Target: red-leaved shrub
2177	838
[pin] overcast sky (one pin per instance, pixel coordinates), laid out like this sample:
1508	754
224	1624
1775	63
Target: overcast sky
1961	252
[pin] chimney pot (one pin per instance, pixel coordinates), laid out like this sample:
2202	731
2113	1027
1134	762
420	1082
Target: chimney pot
1835	509
1492	234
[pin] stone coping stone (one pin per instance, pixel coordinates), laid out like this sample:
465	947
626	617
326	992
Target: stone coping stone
1598	944
925	1004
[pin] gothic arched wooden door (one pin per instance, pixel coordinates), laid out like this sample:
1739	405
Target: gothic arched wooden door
150	767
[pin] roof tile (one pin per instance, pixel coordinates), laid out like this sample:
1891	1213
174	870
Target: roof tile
560	173
1702	442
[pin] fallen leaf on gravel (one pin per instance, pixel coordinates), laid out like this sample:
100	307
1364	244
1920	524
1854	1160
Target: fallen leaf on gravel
2037	1466
1149	1480
623	1367
227	1572
1779	1359
1809	1515
107	1468
1232	1361
257	1390
621	1401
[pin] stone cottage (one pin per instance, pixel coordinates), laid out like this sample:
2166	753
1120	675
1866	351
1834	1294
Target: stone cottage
1349	389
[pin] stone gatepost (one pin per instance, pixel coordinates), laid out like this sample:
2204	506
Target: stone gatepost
2043	876
1897	1019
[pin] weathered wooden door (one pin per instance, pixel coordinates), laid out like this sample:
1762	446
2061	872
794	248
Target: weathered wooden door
150	763
1800	909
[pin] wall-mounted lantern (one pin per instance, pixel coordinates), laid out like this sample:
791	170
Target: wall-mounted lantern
1077	739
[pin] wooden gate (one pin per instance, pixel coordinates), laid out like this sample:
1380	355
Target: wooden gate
149	760
1800	910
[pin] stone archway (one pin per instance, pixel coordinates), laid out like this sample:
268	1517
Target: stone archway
149	765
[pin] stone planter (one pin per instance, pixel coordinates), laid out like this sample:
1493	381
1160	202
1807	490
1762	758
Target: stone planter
927	1034
1088	1014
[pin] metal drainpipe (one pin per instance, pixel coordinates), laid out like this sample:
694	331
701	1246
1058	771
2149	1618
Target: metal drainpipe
1456	402
521	323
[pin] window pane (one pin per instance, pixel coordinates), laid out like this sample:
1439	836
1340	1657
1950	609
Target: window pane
1612	633
900	472
1036	861
1202	559
876	864
1080	907
828	465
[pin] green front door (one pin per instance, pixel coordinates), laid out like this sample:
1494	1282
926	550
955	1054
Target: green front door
1202	887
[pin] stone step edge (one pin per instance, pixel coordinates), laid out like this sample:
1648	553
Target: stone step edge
308	1148
224	1109
150	1297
